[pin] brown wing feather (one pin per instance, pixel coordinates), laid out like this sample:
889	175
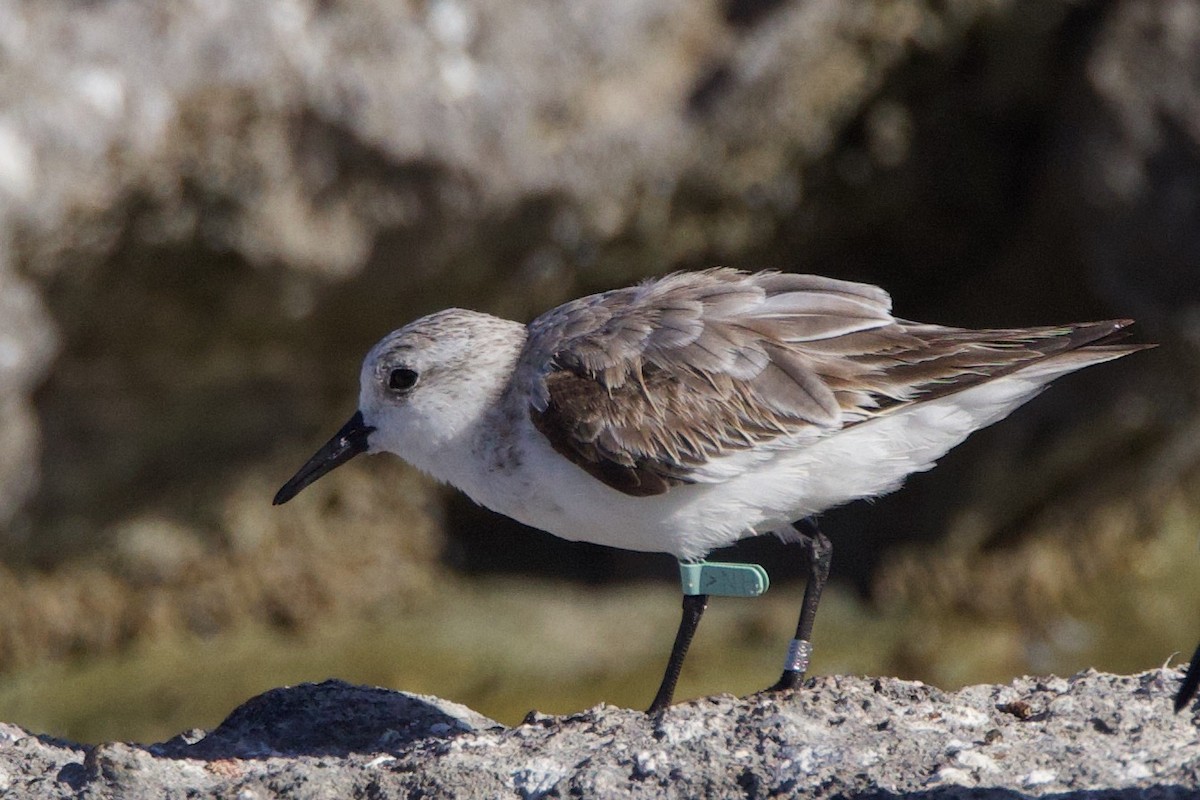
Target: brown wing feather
643	386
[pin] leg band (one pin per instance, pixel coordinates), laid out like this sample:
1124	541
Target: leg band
797	657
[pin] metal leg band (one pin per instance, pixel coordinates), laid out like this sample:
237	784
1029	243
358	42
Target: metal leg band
799	651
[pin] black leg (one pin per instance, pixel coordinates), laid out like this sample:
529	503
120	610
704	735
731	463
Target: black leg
819	552
1191	681
693	609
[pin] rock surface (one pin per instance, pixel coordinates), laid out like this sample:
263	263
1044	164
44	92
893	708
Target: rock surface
1091	735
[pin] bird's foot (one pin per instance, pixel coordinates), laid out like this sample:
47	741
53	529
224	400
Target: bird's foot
789	680
658	707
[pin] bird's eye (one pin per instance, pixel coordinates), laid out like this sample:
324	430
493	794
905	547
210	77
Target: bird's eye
402	379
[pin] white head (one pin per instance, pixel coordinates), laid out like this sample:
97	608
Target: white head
423	389
425	384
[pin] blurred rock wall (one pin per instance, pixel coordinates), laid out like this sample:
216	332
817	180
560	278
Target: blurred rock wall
208	212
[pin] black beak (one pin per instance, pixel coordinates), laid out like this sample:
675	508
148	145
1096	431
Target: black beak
345	445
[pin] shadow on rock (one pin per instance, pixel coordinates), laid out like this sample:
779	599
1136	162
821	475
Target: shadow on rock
332	718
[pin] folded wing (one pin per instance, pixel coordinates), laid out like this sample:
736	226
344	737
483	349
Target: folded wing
690	377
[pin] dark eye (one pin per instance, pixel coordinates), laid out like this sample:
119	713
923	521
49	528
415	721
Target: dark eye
402	379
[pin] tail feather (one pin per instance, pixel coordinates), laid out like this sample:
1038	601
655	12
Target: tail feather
1061	363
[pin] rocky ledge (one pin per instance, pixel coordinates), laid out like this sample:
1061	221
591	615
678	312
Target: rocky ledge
1093	735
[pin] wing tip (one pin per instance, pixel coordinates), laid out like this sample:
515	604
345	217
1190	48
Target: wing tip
1105	338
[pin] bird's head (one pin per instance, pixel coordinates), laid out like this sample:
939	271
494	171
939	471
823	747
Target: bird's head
421	389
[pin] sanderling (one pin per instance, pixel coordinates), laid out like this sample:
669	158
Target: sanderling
690	411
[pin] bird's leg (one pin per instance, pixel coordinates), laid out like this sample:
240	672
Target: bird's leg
1191	680
818	552
693	609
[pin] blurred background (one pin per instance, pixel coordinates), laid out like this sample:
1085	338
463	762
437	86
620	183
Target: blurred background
210	211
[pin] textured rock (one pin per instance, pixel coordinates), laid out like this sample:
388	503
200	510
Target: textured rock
27	343
1090	735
